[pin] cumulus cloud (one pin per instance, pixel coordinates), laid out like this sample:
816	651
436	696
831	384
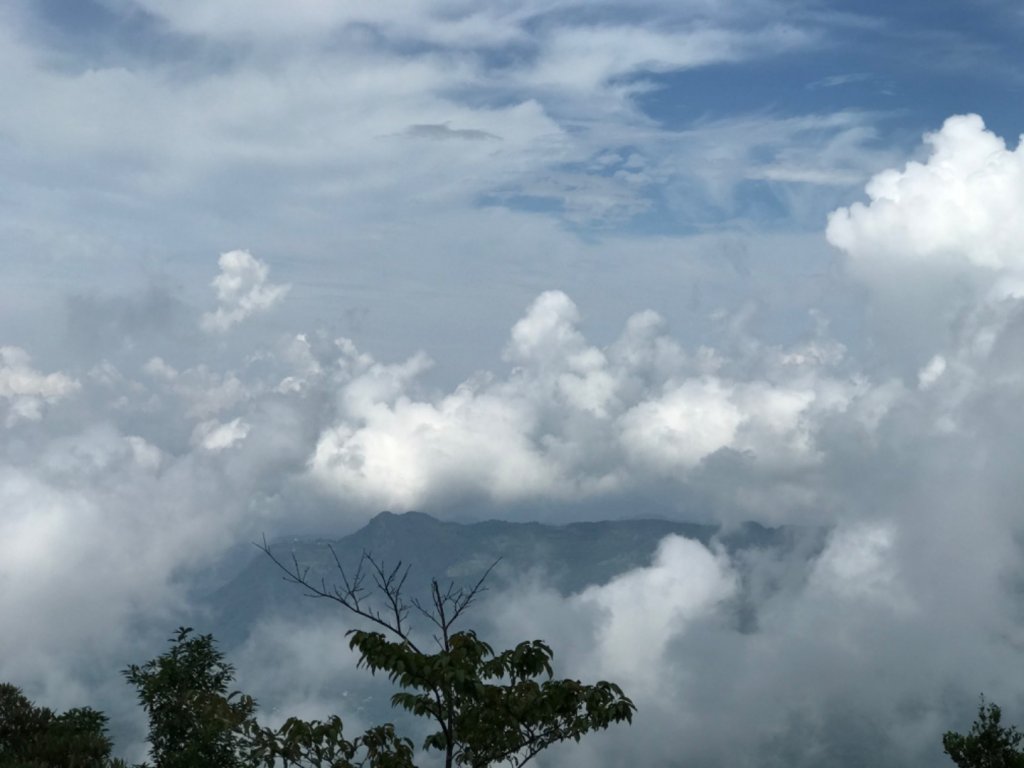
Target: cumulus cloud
937	241
570	420
26	390
953	212
567	420
862	647
243	289
131	465
679	429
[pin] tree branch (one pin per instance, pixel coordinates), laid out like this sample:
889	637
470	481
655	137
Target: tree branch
351	595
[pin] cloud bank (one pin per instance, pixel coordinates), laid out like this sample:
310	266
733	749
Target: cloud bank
574	421
129	474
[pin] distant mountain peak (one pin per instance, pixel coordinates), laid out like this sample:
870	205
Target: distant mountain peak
389	518
568	557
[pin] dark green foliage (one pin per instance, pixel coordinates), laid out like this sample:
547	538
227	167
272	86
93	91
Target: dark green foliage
491	708
21	723
35	737
988	744
321	744
193	721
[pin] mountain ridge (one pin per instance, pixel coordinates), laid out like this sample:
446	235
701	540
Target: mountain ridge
568	557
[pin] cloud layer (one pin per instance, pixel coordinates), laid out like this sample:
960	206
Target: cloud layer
147	434
574	421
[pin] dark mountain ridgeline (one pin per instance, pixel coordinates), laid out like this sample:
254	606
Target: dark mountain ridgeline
568	558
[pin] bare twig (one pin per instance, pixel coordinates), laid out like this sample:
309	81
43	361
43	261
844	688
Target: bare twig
445	608
351	594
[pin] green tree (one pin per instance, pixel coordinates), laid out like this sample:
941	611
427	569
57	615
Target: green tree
193	720
21	723
489	707
36	737
321	744
988	744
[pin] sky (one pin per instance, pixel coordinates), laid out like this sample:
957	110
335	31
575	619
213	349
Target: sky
272	268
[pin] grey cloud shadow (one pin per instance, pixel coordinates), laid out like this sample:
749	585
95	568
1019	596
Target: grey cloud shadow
444	132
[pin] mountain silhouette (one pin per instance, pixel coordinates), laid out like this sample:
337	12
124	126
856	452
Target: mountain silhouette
567	558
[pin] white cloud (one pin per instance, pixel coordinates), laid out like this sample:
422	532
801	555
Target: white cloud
456	24
955	212
27	390
157	367
303	669
242	290
231	19
859	563
267	131
571	420
937	247
676	431
214	436
586	58
89	534
932	372
294	124
648	607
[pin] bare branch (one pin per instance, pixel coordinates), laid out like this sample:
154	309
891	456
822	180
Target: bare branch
390	584
446	607
351	594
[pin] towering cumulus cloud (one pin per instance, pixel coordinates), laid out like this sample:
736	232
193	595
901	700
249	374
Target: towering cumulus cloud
939	240
958	211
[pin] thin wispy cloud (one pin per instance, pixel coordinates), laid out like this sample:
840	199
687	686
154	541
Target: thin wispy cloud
443	131
834	81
